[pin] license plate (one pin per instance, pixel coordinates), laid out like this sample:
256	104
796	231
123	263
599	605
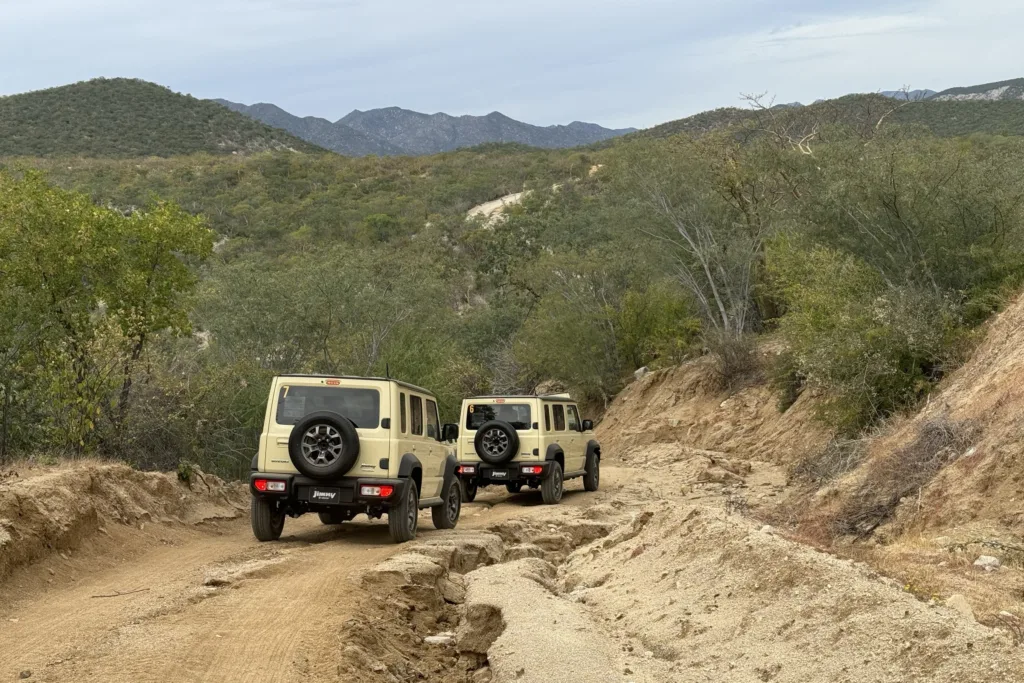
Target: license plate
324	495
499	474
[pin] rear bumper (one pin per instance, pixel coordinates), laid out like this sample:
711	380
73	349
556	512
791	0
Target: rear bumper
483	474
303	494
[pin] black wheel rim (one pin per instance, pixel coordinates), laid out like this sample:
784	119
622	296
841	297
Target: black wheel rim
558	484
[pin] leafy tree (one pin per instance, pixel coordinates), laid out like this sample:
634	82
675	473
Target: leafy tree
79	284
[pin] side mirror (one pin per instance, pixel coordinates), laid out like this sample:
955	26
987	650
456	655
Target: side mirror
588	425
450	432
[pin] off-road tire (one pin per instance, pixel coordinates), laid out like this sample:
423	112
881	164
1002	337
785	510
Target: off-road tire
267	523
468	491
496	442
403	517
323	445
552	486
592	478
331	518
514	487
446	515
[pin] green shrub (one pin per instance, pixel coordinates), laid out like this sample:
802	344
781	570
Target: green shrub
874	348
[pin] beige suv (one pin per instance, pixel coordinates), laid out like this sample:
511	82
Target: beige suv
535	441
340	446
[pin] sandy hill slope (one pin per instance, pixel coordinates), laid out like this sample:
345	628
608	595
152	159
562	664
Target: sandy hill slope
959	461
923	499
687	407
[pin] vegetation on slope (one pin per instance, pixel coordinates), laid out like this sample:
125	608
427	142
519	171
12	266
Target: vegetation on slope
943	118
128	118
873	251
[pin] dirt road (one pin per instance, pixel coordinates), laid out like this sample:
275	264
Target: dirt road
206	603
649	579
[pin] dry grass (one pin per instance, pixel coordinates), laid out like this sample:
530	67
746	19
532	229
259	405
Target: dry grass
736	357
838	457
893	478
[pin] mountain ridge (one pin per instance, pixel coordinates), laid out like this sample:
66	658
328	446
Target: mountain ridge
391	131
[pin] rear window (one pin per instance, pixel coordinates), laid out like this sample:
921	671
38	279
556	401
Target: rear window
362	406
516	414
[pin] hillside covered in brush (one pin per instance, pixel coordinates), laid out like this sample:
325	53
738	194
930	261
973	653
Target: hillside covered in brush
947	117
871	252
121	118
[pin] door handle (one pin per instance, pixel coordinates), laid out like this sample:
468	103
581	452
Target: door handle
282	441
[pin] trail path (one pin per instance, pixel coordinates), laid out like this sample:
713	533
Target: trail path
678	586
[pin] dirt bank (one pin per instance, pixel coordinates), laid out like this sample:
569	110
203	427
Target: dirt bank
43	510
687	407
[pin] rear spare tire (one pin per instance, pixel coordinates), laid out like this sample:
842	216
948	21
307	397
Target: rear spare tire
496	442
323	445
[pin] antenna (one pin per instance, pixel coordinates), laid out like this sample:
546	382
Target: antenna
387	371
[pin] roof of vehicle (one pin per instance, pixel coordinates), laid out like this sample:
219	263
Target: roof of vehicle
372	379
543	397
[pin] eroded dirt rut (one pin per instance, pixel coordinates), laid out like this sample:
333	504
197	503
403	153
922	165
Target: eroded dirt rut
657	577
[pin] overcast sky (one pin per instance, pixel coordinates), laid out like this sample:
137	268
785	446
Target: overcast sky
614	62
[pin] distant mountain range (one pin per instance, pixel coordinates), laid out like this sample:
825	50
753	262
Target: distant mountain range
989	92
122	118
912	95
395	131
999	91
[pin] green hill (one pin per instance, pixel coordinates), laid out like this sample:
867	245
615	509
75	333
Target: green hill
951	118
128	118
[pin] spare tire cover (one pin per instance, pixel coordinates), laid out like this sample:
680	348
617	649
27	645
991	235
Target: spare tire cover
323	445
496	442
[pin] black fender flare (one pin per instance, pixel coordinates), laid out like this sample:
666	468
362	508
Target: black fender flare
554	450
255	465
407	464
450	465
594	448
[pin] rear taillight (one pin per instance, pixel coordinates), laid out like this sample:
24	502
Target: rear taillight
377	491
467	469
265	485
532	469
278	486
260	484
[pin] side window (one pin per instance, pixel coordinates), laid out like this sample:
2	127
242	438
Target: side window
416	408
574	418
559	418
433	428
547	418
403	410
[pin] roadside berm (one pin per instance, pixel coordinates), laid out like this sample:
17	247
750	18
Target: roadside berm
665	591
52	509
